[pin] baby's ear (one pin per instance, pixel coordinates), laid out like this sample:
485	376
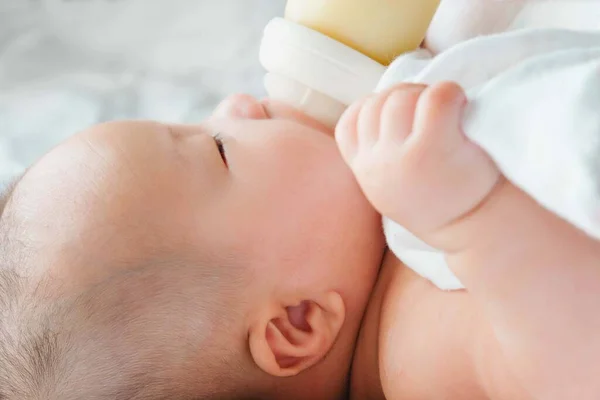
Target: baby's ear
240	106
289	339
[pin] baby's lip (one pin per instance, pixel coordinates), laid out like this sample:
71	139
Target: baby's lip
278	110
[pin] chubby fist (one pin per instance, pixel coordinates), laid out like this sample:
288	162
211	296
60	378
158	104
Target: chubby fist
412	159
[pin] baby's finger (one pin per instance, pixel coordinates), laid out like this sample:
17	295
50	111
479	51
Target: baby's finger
369	119
398	113
439	113
346	134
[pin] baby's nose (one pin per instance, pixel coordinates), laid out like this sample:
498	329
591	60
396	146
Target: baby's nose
240	106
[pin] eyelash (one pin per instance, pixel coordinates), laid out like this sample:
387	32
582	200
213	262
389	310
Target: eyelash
219	142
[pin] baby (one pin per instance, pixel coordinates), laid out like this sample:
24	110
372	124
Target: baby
235	258
239	259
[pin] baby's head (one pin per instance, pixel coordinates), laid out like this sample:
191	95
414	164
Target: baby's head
232	259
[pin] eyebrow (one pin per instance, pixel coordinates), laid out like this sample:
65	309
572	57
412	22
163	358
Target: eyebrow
6	192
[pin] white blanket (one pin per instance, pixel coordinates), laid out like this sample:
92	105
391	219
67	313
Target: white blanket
535	108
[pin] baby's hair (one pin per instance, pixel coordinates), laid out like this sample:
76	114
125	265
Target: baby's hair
29	349
108	342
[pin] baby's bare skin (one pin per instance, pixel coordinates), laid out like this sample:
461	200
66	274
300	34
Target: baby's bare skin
528	318
418	342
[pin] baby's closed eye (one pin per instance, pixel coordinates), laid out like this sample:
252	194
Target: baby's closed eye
221	147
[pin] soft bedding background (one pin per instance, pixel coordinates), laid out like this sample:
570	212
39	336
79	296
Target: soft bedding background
68	64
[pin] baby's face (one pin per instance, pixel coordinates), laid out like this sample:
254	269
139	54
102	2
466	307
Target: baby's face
257	186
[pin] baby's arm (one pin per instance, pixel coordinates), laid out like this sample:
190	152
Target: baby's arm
538	280
536	276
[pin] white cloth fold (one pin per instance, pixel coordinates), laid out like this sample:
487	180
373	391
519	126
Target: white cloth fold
535	109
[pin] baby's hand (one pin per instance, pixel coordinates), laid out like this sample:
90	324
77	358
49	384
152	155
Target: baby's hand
411	158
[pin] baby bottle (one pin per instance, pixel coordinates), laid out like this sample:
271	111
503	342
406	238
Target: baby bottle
325	54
